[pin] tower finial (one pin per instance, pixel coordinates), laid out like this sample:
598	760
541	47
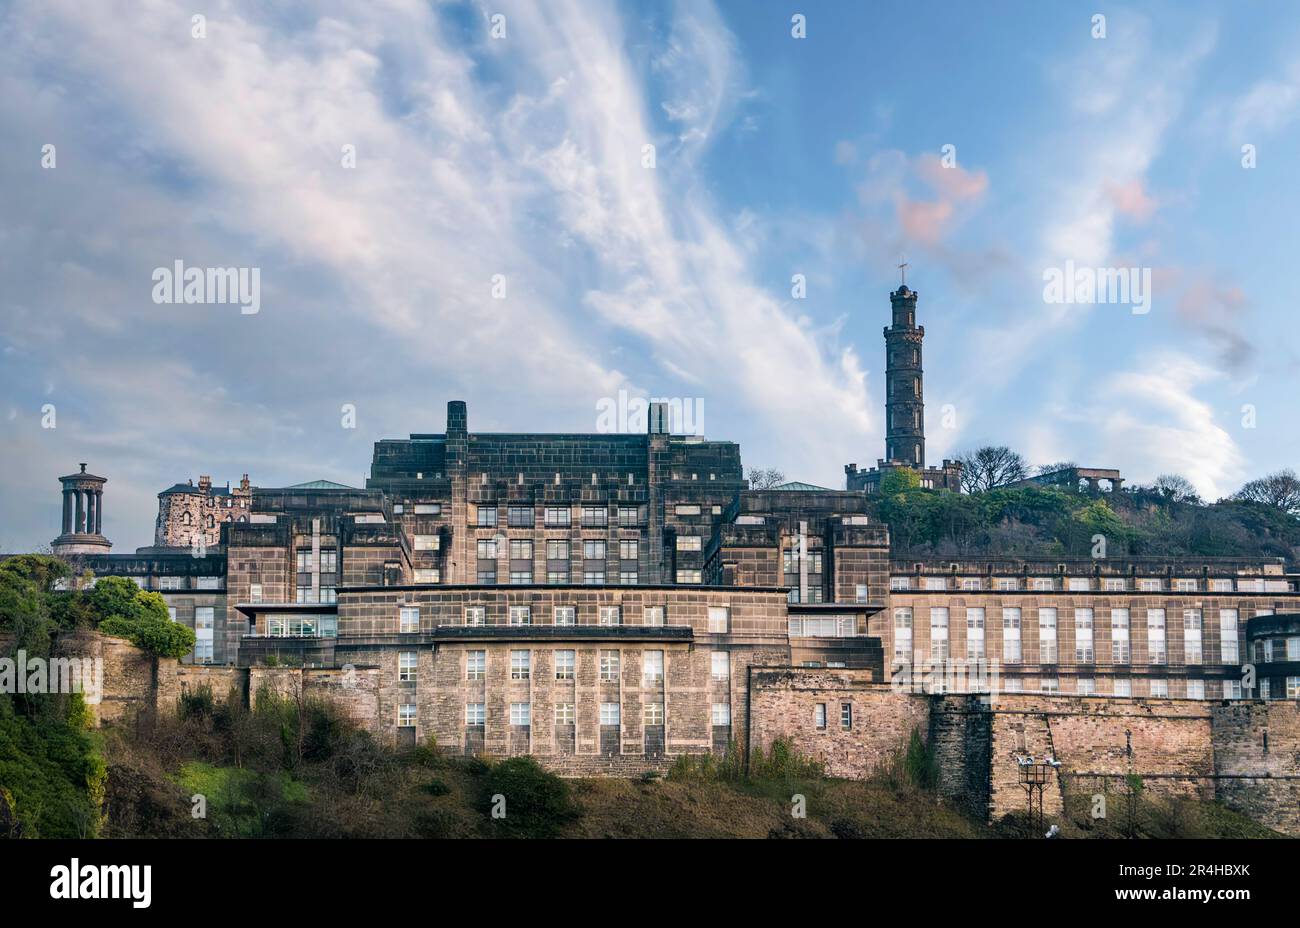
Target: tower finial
902	270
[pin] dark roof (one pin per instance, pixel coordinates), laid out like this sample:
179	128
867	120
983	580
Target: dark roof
192	488
802	487
319	485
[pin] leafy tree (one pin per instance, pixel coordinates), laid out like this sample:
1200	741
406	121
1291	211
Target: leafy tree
1280	490
141	618
991	467
764	478
898	479
1177	488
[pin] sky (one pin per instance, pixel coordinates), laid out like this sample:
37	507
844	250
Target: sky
533	206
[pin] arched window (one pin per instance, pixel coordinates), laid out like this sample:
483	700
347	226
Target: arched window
916	453
187	519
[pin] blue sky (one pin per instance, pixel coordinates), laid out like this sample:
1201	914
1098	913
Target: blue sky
523	156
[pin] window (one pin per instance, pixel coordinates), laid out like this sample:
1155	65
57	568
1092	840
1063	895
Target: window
720	665
1049	685
426	509
1011	635
593	550
595	516
565	615
1192	636
1078	584
1293	687
627	577
1220	586
652	667
1195	689
690	542
487	549
169	583
521	664
556	517
628	517
171	613
204	616
970	583
519	517
476	615
900	583
557	576
565	714
475	665
1114	584
406	716
609	713
939	634
860	593
557	549
521	615
1047	636
936	583
1042	584
819	715
487	516
846	715
565	662
690	576
521	549
475	714
653	616
255	593
1156	636
1083	652
1122	686
719	619
406	667
903	633
627	550
426	542
1086	686
611	615
521	713
408	620
593	577
1159	688
686	509
974	633
1231	689
1119	641
722	713
654	713
609	666
1228	636
427	575
1149	584
1185	586
1006	583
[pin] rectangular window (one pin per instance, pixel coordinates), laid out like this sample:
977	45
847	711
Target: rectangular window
652	667
593	577
1083	653
475	665
1119	640
1122	686
1011	635
593	550
487	516
1156	636
565	662
722	713
1079	584
627	550
521	664
970	584
595	517
255	593
1047	636
427	509
487	549
554	577
900	583
565	615
654	713
1185	586
860	593
903	633
557	517
476	615
1049	685
426	575
611	615
565	714
690	576
1086	686
1159	688
521	615
974	633
1149	584
406	716
609	666
1231	689
936	583
628	517
406	666
1042	584
939	634
1228	636
408	620
686	509
1293	687
1192	636
475	714
426	542
1220	586
719	620
609	713
1195	689
720	665
819	715
846	715
521	713
1114	584
690	542
627	577
653	616
1006	583
557	549
519	517
521	549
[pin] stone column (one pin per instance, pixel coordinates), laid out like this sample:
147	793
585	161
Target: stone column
79	524
67	511
90	512
99	512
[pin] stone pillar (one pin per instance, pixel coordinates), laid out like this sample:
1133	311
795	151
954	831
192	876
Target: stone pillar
80	522
67	511
90	512
99	512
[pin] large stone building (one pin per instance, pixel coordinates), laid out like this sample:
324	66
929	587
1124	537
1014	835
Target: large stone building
613	595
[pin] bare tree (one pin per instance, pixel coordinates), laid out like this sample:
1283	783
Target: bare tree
761	478
1281	489
1055	468
991	467
1177	488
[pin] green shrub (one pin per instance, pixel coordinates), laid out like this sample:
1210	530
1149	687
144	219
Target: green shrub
782	761
436	787
536	804
197	703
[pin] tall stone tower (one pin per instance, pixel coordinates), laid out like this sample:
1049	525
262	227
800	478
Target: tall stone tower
83	515
904	384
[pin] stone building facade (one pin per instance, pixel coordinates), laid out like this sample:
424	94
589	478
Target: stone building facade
191	516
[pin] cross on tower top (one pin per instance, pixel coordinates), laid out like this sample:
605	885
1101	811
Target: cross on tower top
902	269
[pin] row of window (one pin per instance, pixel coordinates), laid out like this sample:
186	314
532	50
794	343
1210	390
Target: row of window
521	714
557	549
1086	584
408	617
521	665
1083	621
485	516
